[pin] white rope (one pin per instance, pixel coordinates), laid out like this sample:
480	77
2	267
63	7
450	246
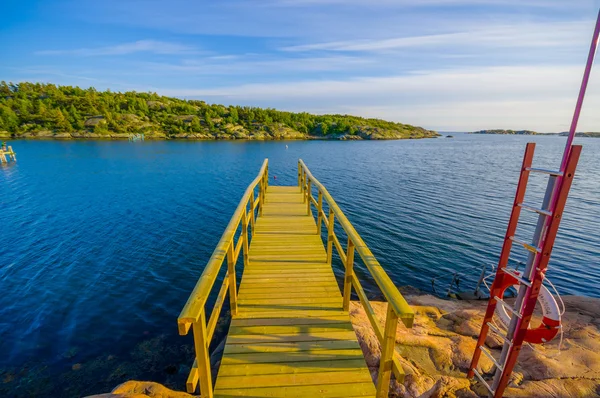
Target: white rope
562	303
563	309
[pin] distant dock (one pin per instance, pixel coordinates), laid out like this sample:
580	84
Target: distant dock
136	137
7	154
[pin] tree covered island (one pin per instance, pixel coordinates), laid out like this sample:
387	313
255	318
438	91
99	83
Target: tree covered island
36	110
509	132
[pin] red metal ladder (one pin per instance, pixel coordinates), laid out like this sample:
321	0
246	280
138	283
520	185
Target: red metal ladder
532	278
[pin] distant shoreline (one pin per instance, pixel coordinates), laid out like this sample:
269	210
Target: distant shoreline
530	132
200	138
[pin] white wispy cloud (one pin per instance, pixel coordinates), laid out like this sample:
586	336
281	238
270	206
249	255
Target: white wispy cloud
140	46
535	97
424	3
315	20
239	65
507	36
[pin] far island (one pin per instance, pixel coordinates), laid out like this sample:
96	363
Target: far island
510	132
530	132
46	111
582	134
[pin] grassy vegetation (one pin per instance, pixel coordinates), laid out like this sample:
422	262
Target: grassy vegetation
35	110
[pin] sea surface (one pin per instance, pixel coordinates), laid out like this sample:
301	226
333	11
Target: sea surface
102	242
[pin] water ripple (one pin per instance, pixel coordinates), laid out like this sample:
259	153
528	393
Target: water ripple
103	241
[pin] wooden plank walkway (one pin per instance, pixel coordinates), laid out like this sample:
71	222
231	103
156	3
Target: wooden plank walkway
291	337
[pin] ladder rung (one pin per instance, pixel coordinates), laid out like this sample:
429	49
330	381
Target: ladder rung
491	357
499	333
525	245
480	377
545	171
516	276
536	210
507	306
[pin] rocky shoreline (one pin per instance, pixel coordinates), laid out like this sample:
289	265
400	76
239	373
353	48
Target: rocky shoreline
508	132
436	353
283	135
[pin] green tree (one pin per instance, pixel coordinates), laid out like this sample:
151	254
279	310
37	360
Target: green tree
9	120
61	121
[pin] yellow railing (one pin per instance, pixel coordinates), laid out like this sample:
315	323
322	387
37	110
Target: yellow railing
193	314
398	308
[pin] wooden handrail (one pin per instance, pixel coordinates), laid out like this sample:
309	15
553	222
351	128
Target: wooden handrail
195	303
193	314
397	308
387	287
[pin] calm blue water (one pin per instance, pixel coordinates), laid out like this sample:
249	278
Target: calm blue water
102	242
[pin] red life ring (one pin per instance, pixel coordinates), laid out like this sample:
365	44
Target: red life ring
550	325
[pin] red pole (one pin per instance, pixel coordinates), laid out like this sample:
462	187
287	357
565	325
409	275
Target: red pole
586	77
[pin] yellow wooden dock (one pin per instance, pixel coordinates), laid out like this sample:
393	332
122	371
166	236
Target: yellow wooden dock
290	333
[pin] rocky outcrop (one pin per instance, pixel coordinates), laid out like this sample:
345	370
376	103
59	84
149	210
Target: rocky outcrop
437	351
142	389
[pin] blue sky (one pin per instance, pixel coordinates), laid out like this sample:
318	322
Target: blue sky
450	65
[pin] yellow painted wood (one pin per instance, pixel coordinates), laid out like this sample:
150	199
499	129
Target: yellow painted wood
348	276
214	316
202	358
258	294
290	336
289	301
232	282
244	237
279	284
194	307
290	333
274	290
362	296
192	380
293	356
292	379
289	313
385	284
290	329
325	391
290	321
292	367
330	236
387	353
251	273
310	346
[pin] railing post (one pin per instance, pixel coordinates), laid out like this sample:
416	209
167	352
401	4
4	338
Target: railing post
245	248
303	186
299	175
202	357
261	196
330	236
308	198
319	211
232	283
387	353
252	221
348	276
